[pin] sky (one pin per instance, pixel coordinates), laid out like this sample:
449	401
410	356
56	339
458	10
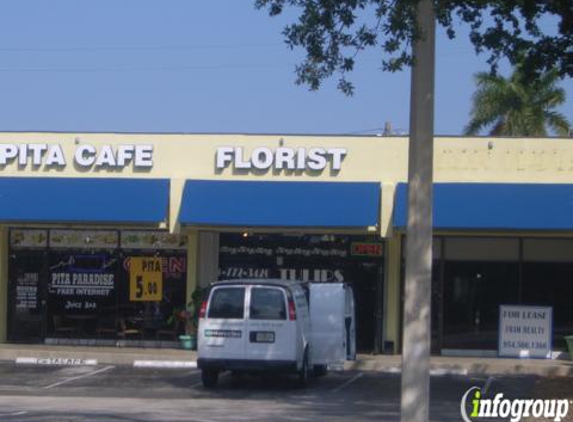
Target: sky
216	66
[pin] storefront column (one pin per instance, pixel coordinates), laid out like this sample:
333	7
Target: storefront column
392	294
176	187
208	258
192	263
3	284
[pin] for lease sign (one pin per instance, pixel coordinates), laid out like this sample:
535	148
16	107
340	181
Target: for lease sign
525	331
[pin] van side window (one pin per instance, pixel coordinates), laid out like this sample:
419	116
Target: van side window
227	302
267	304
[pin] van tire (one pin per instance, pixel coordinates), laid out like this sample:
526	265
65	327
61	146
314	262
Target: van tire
320	370
209	377
304	372
237	377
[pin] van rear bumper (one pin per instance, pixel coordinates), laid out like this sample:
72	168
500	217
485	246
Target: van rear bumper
247	365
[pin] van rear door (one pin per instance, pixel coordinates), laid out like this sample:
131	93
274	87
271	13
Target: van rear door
271	333
332	323
350	323
223	333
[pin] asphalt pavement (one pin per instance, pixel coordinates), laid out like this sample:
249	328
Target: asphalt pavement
37	393
45	383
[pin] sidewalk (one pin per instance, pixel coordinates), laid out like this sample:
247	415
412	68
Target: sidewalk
169	357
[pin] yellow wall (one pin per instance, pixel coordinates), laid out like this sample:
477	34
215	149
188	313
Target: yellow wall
369	158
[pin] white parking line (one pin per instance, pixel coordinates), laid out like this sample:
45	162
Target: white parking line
89	374
486	386
347	383
435	372
56	361
164	364
197	384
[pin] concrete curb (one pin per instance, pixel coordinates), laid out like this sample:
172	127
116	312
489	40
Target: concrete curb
470	366
70	355
165	364
178	358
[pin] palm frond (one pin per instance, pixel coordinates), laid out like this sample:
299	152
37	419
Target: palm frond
558	123
517	105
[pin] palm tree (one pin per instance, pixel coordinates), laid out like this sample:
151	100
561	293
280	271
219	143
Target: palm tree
518	105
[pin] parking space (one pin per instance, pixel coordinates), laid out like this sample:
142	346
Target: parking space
126	381
108	393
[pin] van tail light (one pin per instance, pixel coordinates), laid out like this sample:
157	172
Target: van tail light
291	311
203	309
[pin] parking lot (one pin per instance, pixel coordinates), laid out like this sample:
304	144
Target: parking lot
123	393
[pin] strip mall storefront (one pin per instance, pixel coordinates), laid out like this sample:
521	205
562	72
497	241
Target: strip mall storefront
74	286
79	212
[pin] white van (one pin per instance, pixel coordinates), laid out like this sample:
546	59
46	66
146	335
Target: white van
266	325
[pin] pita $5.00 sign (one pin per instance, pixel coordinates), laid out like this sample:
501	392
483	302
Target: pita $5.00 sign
145	279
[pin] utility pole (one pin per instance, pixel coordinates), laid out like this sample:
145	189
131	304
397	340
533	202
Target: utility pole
415	403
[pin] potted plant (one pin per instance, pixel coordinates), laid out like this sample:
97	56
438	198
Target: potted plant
190	319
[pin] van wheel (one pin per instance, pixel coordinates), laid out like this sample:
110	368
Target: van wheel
209	377
237	377
303	373
320	370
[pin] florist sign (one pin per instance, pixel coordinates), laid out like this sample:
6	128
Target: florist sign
85	156
281	158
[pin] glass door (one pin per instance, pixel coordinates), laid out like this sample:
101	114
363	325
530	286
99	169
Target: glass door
26	297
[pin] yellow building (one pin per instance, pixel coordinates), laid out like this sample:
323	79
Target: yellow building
80	211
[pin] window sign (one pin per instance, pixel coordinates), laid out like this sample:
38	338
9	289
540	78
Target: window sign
24	238
81	282
27	292
102	239
145	279
133	239
525	331
366	249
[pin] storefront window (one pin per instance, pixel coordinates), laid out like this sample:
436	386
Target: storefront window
480	274
473	292
77	285
357	260
145	318
548	281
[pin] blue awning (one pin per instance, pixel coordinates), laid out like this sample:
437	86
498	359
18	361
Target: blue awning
88	200
493	206
280	204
